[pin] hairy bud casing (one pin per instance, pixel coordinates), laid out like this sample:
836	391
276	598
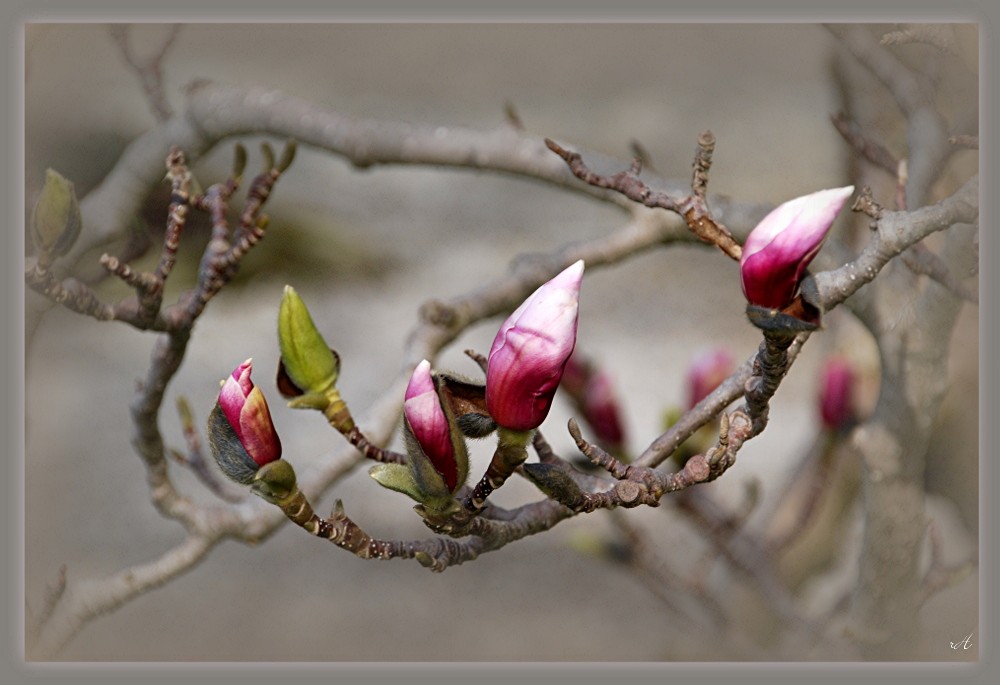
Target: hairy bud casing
240	431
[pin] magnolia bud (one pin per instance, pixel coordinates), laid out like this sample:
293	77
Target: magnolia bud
708	370
430	427
240	431
530	351
836	398
307	361
55	219
437	463
782	245
594	395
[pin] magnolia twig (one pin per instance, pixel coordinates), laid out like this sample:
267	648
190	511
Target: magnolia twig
874	152
194	459
694	207
748	556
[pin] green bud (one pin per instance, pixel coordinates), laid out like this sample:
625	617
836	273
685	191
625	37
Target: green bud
395	477
275	481
402	478
55	219
308	361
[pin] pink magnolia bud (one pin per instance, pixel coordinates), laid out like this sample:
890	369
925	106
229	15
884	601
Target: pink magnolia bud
530	351
245	409
836	399
708	370
779	249
600	407
429	424
594	395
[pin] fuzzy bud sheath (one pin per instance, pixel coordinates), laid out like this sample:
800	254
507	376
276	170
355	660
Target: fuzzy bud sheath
241	434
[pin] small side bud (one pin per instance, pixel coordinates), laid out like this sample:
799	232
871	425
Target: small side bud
401	478
275	481
55	219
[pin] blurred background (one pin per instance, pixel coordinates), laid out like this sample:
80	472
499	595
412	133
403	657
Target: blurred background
365	249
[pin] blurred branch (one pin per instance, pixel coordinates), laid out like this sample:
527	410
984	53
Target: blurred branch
215	112
150	70
927	131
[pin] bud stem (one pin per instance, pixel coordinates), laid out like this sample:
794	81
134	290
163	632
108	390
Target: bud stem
769	368
511	452
338	414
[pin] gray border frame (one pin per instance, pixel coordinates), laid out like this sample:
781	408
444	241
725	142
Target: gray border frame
17	13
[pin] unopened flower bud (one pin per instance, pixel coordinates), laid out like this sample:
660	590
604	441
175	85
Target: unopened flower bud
782	245
240	430
836	399
437	463
708	370
530	351
307	361
594	395
55	219
430	427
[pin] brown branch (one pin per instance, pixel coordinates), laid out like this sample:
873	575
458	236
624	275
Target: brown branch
693	208
194	458
372	451
215	112
748	556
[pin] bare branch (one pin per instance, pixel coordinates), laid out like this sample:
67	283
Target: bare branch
693	207
150	70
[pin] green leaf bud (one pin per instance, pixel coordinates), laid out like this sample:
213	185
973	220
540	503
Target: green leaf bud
308	361
55	219
275	481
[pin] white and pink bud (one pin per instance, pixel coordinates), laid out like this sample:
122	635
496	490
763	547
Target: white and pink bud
429	424
780	248
530	351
